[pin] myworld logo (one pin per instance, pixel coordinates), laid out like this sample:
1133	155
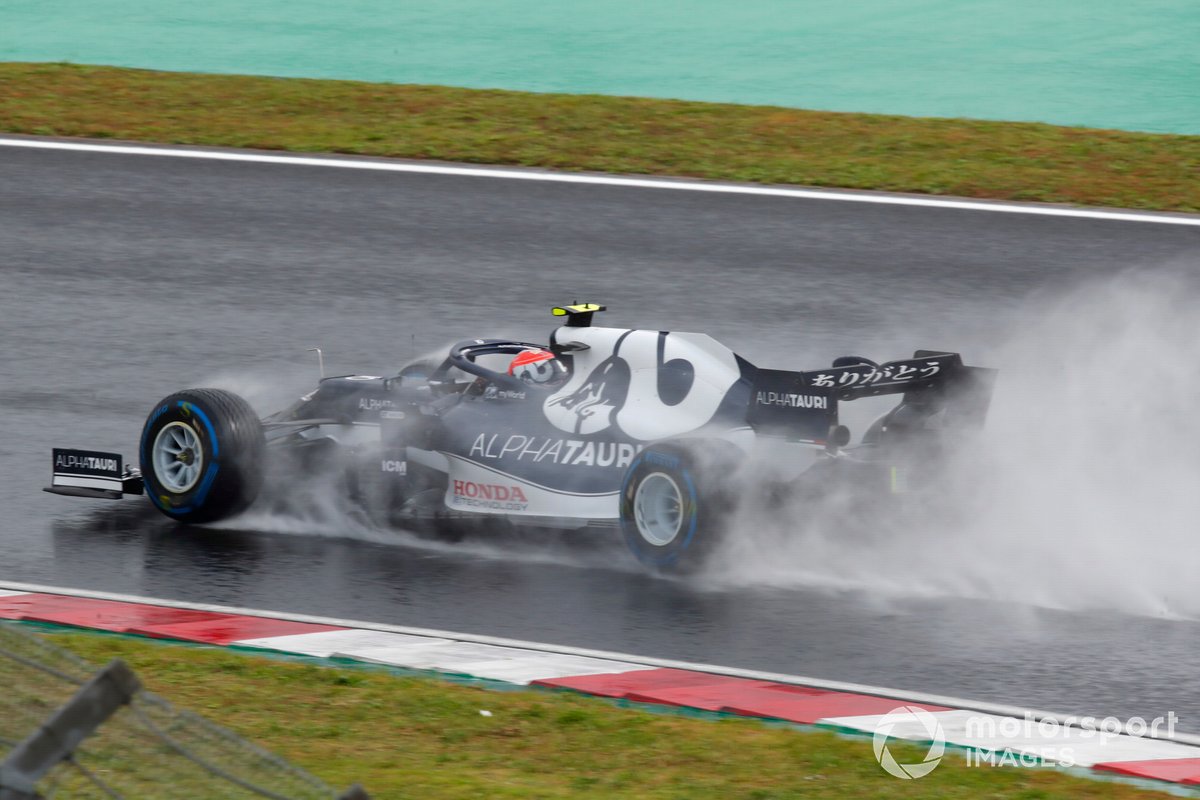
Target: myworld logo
914	723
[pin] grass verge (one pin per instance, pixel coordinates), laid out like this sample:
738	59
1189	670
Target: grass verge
418	737
999	160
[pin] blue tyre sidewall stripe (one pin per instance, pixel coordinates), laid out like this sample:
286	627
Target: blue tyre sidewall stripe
210	474
648	556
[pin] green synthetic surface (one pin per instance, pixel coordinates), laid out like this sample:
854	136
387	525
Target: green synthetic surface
1101	64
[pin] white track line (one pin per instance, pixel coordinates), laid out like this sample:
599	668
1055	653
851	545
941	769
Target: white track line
684	185
775	677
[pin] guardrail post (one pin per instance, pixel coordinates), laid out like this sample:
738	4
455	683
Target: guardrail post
96	701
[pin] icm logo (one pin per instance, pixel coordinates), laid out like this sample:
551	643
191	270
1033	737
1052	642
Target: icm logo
399	467
914	724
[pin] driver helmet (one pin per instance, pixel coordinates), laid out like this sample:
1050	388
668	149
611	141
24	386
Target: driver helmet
538	367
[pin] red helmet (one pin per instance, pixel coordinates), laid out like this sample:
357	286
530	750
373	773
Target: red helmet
538	367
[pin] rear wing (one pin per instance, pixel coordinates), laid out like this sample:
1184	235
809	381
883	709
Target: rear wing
803	406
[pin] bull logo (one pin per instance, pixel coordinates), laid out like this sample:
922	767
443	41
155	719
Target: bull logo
590	408
653	385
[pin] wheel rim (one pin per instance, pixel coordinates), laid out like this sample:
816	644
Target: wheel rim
658	509
178	457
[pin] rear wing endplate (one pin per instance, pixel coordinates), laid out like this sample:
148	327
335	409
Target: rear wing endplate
804	405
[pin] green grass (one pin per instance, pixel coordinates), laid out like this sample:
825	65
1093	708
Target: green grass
423	738
1001	160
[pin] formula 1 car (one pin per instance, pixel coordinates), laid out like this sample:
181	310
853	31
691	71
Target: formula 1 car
608	428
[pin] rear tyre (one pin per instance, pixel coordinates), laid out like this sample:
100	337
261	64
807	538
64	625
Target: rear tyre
201	454
675	501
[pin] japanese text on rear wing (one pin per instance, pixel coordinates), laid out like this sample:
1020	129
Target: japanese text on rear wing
893	376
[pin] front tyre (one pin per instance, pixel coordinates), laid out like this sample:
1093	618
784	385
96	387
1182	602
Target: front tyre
201	454
675	500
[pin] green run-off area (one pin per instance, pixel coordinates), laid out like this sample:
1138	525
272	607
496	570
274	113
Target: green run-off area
1133	66
413	737
1000	160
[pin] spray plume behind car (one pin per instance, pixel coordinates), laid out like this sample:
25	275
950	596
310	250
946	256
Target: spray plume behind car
1080	493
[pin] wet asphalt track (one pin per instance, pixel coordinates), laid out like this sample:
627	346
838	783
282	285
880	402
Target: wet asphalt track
127	277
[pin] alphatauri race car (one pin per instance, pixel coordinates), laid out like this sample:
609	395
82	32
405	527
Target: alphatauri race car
644	431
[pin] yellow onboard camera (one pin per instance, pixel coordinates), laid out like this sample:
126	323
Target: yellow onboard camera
579	315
